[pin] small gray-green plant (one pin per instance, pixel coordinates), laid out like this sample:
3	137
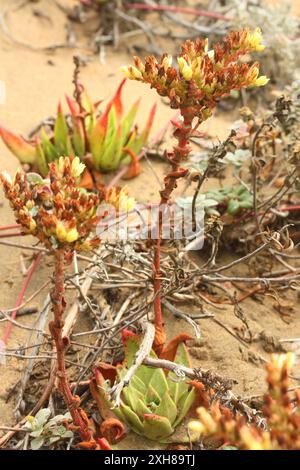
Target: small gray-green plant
46	431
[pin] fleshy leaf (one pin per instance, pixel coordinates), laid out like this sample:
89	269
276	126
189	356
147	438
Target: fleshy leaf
156	427
21	148
41	158
138	143
131	417
167	408
49	149
130	396
159	382
61	134
138	384
184	405
175	345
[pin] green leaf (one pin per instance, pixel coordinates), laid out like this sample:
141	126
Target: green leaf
42	416
152	395
167	408
159	382
141	408
52	440
141	140
49	149
157	427
37	432
37	443
131	395
173	387
233	206
41	159
138	384
184	405
127	123
61	133
182	355
132	418
109	158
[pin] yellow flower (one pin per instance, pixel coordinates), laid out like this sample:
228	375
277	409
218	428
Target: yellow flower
72	235
185	69
283	360
261	81
77	167
32	225
131	72
197	429
254	39
61	232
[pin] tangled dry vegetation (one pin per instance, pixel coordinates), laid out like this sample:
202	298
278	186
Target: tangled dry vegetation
95	386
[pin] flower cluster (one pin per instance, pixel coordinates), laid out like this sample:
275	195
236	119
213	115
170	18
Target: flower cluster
55	210
281	415
203	76
119	198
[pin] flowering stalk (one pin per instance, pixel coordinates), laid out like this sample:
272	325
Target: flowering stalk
62	217
56	328
202	78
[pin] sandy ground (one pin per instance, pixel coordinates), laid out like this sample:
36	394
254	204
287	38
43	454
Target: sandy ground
35	81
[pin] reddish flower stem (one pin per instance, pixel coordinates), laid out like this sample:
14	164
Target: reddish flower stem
187	10
9	227
56	328
11	234
179	154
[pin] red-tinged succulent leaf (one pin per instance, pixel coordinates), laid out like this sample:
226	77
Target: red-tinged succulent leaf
107	372
103	444
159	340
128	120
137	145
135	166
116	102
202	395
113	430
89	445
157	427
98	393
169	352
21	148
125	334
72	106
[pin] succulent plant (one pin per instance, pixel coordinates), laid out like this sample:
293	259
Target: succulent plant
233	199
110	139
45	431
154	403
